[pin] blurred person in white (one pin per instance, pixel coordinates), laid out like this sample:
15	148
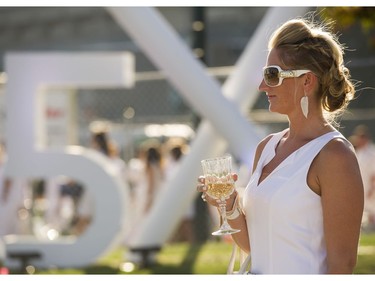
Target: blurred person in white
146	184
154	175
302	208
136	178
121	169
136	167
101	142
365	150
176	148
118	163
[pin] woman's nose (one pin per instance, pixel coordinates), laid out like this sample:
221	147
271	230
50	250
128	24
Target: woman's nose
262	86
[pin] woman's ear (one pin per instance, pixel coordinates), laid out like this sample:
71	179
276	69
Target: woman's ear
310	81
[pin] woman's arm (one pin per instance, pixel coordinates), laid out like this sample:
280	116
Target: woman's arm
340	185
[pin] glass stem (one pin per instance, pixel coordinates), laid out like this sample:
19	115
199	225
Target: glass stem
223	212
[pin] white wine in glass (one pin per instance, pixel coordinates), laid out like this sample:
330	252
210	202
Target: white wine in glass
220	190
220	185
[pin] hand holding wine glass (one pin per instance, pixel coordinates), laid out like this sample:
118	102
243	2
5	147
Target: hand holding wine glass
220	185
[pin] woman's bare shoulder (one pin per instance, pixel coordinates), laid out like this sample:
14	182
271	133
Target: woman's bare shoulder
337	159
335	167
338	149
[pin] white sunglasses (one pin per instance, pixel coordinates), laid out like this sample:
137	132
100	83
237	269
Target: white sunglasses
273	75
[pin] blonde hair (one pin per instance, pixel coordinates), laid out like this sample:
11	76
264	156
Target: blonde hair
303	44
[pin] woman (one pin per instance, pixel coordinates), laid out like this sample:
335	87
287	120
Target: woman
154	173
303	205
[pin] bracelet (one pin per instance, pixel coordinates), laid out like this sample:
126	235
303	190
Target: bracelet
236	210
234	214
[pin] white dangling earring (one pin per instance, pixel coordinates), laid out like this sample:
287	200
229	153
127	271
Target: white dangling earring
305	105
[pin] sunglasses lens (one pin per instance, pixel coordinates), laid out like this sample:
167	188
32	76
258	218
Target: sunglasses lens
271	76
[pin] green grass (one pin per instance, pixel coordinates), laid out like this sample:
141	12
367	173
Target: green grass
366	262
179	258
367	239
182	258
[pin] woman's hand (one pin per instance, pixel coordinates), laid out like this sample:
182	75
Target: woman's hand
201	187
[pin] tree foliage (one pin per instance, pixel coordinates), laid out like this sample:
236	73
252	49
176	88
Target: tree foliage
346	17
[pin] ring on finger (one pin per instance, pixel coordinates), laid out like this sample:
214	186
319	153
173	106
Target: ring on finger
204	197
201	187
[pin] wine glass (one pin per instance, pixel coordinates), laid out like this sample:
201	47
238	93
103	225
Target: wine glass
220	185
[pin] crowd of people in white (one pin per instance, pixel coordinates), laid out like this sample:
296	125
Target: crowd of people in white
49	208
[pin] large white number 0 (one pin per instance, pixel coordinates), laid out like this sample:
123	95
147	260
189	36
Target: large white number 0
28	74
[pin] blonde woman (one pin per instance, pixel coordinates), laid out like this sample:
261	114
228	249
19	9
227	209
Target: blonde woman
302	208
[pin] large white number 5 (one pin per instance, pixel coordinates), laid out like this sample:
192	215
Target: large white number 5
28	75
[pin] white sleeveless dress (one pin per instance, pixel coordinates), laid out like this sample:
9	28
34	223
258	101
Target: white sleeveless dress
284	216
